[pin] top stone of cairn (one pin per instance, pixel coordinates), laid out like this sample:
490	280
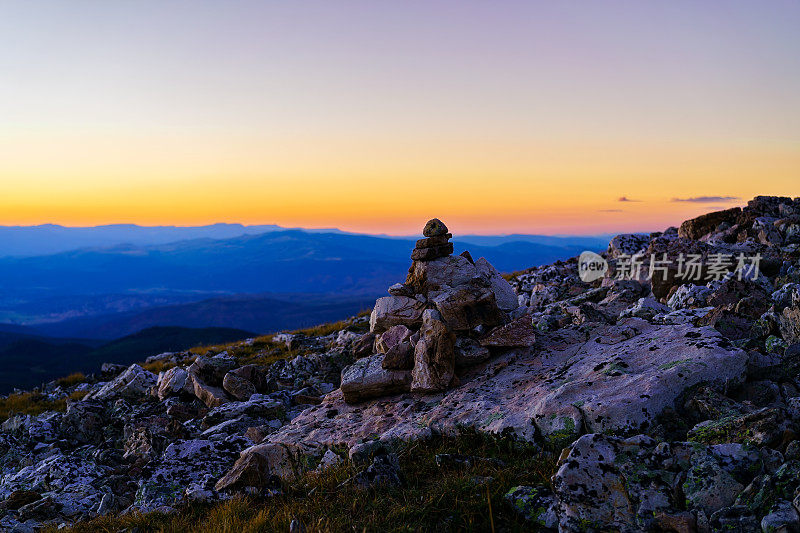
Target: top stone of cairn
434	228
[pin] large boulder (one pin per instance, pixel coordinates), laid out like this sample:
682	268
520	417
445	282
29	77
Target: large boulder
450	271
256	465
590	378
507	299
697	227
434	356
368	379
393	311
466	307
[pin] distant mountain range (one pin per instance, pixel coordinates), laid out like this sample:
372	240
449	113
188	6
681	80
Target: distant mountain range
60	286
46	239
88	287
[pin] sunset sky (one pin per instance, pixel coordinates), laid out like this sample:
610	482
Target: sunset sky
497	117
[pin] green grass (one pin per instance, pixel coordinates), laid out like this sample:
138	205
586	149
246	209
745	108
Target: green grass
432	499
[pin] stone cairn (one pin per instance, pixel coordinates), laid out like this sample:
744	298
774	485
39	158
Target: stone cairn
447	315
436	243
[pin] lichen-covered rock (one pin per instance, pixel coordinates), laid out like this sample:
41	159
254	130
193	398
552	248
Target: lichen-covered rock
536	504
184	464
782	517
434	227
708	486
763	427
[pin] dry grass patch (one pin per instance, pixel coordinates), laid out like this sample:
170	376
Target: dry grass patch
72	379
28	403
432	499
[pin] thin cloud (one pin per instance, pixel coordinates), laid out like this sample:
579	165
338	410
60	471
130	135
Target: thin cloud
610	210
626	199
707	199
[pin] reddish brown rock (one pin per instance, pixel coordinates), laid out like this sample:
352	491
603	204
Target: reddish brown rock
519	333
697	227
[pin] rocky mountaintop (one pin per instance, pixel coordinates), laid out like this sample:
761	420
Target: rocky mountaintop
666	376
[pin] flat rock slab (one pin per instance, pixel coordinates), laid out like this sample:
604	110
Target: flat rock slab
596	378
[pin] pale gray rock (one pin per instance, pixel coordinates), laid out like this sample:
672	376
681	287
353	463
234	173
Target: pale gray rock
185	464
238	387
395	310
503	292
618	378
174	382
209	395
368	379
256	463
434	356
132	384
689	296
69	480
450	271
645	308
258	406
628	244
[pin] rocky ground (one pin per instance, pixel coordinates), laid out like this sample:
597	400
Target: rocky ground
674	403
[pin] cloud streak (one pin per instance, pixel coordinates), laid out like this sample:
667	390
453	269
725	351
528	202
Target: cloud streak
707	199
626	199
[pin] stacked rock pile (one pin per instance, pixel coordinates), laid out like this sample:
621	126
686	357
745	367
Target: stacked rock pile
436	243
446	316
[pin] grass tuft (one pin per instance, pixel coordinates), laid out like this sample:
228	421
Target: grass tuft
72	379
